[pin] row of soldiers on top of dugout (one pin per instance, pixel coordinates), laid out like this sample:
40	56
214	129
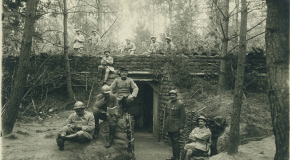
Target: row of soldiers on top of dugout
129	47
83	126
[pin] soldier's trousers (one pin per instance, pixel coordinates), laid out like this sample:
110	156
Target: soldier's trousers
174	137
125	103
83	136
99	115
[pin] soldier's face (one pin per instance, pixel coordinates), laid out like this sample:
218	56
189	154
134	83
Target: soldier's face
106	95
153	40
94	33
123	74
107	54
128	41
78	32
173	97
201	123
80	112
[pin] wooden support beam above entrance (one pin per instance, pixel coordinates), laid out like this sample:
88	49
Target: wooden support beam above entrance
154	86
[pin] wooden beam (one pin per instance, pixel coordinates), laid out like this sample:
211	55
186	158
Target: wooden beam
154	86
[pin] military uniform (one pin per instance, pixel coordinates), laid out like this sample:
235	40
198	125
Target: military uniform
174	121
100	113
106	63
123	88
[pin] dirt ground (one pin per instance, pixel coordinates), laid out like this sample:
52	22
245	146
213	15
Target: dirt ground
36	140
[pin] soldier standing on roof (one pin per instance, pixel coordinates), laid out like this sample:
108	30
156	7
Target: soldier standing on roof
174	122
123	85
95	41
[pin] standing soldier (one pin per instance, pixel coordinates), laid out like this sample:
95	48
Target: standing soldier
123	85
106	64
78	127
78	41
154	46
129	47
169	46
174	122
95	40
106	100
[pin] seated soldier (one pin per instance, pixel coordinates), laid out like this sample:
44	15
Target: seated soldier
78	127
106	64
199	137
123	86
104	100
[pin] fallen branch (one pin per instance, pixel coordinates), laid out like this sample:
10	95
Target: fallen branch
90	95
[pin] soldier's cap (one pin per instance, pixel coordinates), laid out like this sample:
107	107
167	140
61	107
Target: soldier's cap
77	30
201	117
168	38
153	37
123	69
94	31
173	92
106	51
106	89
78	105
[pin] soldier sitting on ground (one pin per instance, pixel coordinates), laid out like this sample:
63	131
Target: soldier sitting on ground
78	127
106	64
199	137
106	100
123	85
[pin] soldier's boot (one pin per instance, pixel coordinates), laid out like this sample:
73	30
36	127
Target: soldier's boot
60	140
71	137
183	154
97	130
112	130
177	151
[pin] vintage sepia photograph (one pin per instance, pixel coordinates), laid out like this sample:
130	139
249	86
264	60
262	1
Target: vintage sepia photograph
145	80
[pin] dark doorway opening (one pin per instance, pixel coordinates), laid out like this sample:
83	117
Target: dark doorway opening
142	108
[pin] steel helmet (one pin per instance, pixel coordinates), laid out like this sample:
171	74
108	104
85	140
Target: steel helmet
173	92
106	89
78	105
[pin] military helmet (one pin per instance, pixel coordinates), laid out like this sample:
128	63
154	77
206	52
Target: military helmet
168	38
201	117
173	92
78	105
106	89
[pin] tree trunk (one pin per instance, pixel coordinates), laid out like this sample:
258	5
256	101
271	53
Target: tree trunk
170	18
236	112
100	18
277	55
10	112
236	21
66	59
225	40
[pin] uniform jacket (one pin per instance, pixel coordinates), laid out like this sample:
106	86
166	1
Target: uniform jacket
129	46
169	47
107	61
200	136
95	39
103	103
80	40
174	116
87	121
154	48
123	87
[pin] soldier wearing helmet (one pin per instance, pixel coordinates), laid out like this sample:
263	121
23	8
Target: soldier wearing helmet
106	100
129	47
199	137
154	46
94	40
123	86
106	64
78	127
174	122
169	46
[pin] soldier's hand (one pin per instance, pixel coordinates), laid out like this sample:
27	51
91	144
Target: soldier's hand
78	127
130	97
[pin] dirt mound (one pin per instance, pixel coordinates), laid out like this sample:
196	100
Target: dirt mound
255	150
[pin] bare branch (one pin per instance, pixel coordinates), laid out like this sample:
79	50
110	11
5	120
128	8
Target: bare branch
215	1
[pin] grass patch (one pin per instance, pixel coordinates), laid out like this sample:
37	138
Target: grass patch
49	136
11	136
22	133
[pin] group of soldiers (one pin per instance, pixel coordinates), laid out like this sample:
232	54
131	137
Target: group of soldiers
128	48
84	126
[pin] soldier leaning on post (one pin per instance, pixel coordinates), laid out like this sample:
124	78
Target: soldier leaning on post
123	85
104	100
78	127
174	122
106	64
